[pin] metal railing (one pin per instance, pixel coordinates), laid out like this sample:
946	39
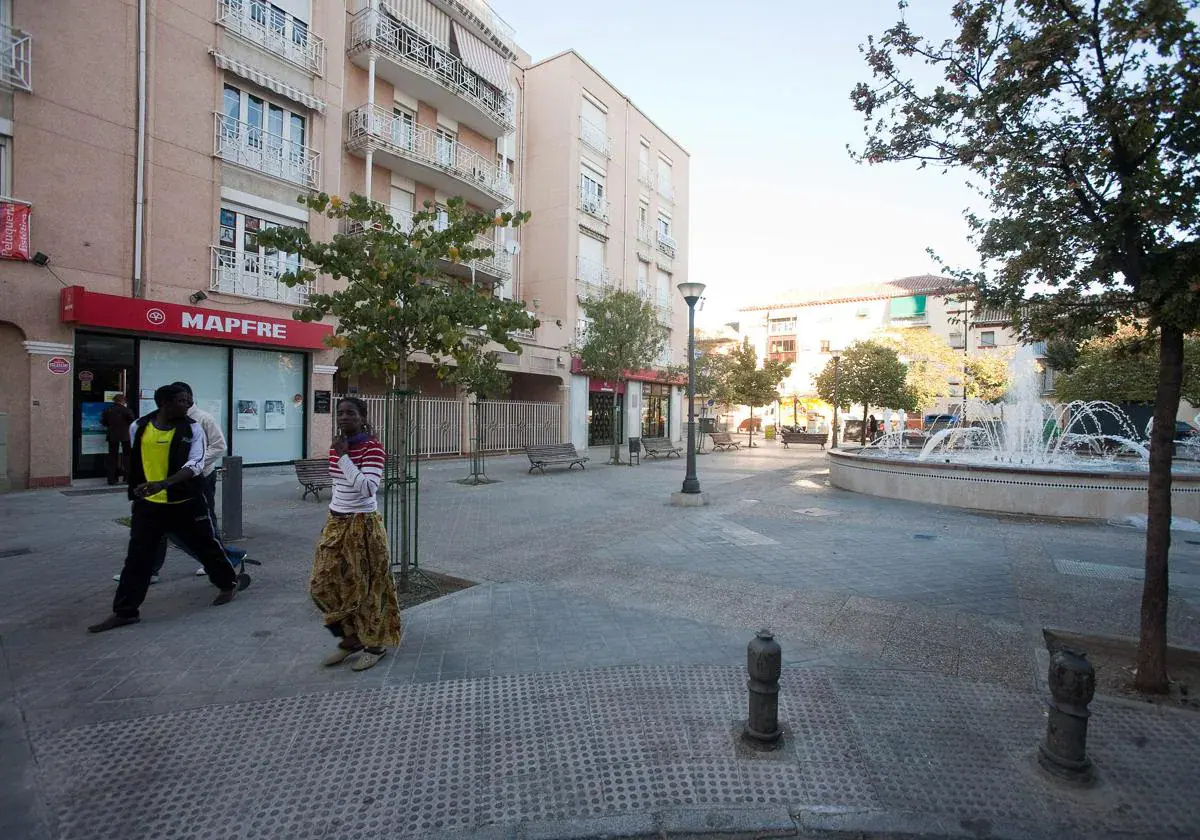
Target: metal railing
662	306
425	146
509	425
666	189
645	173
667	244
593	204
645	233
527	335
581	330
306	50
595	137
251	274
403	45
255	148
594	278
498	264
16	58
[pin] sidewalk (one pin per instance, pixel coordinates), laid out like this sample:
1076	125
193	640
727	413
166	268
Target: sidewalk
592	683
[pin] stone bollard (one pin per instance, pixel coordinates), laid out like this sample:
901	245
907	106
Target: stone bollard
764	661
231	498
1072	686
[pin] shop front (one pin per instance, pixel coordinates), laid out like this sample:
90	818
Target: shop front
251	372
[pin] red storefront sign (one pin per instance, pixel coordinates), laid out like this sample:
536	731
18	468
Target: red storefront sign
14	230
632	375
91	309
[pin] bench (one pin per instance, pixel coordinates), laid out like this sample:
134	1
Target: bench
654	447
541	457
803	437
313	475
724	441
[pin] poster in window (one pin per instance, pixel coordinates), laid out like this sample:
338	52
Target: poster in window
273	414
247	414
93	440
228	237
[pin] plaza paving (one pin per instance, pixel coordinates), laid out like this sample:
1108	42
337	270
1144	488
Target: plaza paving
591	683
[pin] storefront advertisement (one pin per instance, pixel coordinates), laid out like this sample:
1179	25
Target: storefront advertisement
93	440
14	230
273	417
247	414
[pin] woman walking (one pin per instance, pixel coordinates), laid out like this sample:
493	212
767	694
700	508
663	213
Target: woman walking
351	577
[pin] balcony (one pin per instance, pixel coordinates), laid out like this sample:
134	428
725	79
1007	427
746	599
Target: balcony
666	190
285	37
667	244
254	275
484	16
593	204
16	66
645	234
421	154
525	335
593	278
431	74
250	146
645	173
595	137
498	266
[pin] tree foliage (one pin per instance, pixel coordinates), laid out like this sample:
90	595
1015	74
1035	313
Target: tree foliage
623	335
988	375
1076	121
932	364
398	299
748	384
870	374
1121	368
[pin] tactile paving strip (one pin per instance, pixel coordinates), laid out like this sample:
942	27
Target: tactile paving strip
417	761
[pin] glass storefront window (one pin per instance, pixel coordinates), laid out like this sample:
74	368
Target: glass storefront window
268	405
656	410
204	367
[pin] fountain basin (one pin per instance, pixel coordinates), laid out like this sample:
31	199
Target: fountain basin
1104	494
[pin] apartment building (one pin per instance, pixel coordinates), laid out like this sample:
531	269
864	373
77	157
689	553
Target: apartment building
144	143
805	328
608	189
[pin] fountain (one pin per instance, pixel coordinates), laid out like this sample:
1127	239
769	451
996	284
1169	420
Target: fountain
1082	459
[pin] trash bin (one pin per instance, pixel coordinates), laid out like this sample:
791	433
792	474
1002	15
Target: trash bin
707	424
635	450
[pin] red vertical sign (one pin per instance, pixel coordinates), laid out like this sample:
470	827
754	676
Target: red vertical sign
14	231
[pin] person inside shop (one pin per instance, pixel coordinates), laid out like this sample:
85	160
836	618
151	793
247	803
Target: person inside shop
116	420
351	580
166	487
212	454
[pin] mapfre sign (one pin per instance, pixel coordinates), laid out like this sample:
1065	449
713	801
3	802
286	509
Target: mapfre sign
91	309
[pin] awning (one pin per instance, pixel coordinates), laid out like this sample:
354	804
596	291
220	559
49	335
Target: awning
480	58
424	17
272	84
907	307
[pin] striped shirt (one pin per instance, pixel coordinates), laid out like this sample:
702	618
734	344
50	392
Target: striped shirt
356	476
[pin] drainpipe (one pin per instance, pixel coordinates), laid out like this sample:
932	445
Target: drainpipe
519	181
370	119
139	208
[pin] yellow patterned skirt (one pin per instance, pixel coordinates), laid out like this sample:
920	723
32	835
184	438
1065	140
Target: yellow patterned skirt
352	580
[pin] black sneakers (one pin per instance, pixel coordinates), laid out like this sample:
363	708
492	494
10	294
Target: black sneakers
113	622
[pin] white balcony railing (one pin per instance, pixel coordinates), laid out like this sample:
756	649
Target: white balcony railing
662	305
645	233
255	275
667	244
595	137
274	32
499	264
645	173
581	330
594	279
16	58
425	146
593	204
371	29
527	335
666	190
255	148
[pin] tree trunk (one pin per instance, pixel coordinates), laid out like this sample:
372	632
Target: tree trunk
866	408
1152	649
750	443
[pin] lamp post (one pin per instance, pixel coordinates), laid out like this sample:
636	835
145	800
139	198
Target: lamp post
836	358
691	293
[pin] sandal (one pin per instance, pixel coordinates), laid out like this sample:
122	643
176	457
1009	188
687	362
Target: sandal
369	657
340	655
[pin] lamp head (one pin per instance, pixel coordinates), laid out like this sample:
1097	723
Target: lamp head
691	292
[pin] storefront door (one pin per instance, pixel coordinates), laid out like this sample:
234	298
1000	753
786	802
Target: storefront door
600	418
104	366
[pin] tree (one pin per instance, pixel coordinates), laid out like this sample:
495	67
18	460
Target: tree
1076	122
623	335
988	375
931	361
869	373
397	299
1121	368
480	376
750	385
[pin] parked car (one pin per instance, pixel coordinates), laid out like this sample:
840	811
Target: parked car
744	426
1185	431
936	422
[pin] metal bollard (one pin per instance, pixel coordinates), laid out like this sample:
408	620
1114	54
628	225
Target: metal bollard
231	498
764	661
1072	686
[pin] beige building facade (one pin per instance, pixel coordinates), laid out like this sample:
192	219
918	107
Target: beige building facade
143	143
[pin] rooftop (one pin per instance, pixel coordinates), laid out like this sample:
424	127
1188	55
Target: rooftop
902	287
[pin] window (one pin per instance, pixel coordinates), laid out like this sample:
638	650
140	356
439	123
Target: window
781	326
263	136
664	178
591	193
445	147
404	128
824	345
643	279
664	288
664	226
243	267
987	338
782	345
5	165
401	207
656	409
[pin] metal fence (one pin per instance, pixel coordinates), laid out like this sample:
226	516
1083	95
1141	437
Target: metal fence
507	425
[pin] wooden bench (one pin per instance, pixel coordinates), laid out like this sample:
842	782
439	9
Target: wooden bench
654	447
803	437
541	457
724	441
313	475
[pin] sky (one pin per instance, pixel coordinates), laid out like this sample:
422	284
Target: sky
759	96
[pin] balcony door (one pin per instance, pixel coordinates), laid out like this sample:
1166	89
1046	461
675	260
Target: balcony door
591	192
401	208
264	136
242	266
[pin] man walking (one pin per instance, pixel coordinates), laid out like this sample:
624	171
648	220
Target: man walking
116	420
166	488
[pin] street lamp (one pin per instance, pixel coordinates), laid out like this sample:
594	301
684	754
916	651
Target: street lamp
837	356
691	293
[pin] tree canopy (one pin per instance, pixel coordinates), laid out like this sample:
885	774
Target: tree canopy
746	383
931	364
870	374
1121	368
